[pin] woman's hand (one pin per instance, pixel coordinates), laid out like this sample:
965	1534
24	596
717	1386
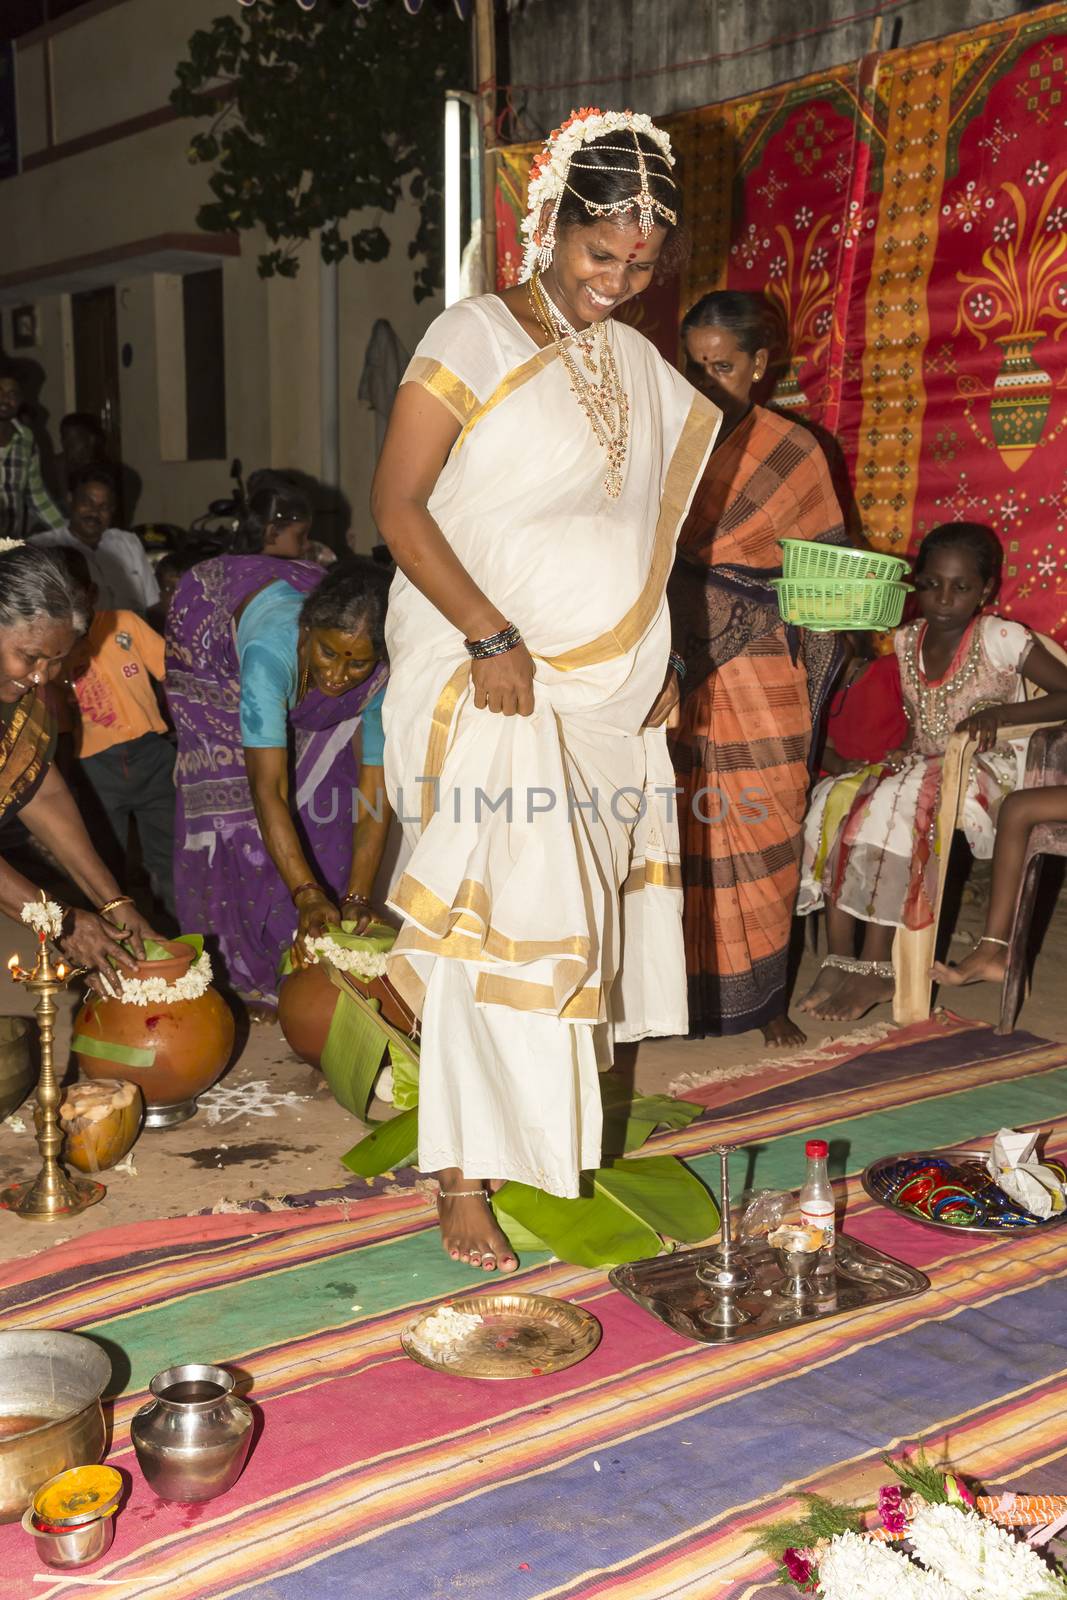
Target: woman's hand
133	927
316	912
357	909
984	726
665	708
92	942
505	683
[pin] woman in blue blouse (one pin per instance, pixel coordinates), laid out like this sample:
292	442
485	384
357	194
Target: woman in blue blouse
281	817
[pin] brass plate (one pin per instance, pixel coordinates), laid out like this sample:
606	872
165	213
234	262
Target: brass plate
669	1288
520	1336
877	1181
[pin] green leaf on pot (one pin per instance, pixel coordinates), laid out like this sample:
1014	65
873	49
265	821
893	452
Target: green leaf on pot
195	939
352	1054
391	1145
627	1207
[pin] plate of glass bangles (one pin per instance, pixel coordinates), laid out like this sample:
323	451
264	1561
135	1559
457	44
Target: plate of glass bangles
951	1189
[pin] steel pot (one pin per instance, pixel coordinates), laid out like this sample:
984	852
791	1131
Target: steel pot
193	1436
50	1412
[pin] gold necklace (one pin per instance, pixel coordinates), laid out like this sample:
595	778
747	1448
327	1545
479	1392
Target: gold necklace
601	395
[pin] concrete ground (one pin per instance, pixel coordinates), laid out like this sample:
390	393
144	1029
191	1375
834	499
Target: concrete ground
272	1128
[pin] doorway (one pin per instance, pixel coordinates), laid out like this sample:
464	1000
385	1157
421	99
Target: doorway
94	324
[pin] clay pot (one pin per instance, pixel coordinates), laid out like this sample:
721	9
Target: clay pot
307	1000
18	1073
171	969
101	1120
182	1046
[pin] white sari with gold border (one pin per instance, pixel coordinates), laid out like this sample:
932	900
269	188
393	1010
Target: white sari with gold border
525	831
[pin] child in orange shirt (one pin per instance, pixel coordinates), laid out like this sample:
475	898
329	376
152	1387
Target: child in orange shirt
123	748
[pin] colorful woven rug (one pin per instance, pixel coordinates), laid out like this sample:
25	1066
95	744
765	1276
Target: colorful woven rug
641	1473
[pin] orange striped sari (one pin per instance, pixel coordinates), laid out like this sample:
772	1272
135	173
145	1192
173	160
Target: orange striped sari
741	751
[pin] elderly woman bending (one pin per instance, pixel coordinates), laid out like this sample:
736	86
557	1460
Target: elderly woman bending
41	617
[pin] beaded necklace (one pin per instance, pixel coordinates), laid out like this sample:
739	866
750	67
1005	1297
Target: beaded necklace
600	394
931	700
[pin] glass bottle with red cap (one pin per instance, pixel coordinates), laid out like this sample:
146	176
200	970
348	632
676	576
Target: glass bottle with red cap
817	1195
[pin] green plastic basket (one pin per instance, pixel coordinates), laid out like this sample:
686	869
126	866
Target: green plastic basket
804	558
833	605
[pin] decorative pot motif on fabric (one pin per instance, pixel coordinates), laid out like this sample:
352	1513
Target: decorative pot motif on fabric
1022	394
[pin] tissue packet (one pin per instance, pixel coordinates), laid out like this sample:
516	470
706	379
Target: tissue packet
1012	1167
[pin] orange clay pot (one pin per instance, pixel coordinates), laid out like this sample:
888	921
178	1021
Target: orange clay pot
101	1120
181	1047
306	1003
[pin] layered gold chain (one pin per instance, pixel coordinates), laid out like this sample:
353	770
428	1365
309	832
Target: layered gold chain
598	390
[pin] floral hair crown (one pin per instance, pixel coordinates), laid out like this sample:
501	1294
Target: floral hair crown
551	170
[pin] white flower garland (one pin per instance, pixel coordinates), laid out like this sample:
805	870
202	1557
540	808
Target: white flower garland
157	991
44	916
549	174
365	964
11	544
979	1558
857	1568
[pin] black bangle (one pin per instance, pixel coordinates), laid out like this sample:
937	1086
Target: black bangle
496	644
674	660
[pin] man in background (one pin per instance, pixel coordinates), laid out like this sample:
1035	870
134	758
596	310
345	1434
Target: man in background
118	565
25	503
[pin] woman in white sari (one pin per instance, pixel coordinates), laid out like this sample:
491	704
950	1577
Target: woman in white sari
539	462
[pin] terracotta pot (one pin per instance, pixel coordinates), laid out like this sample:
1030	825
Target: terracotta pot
101	1120
181	1048
307	1000
18	1074
175	966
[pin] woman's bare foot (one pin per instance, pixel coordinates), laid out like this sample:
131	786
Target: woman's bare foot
987	963
782	1033
469	1230
856	995
827	983
261	1012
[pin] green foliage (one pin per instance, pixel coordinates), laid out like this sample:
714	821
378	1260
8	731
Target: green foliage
392	1144
625	1208
316	115
919	1475
824	1519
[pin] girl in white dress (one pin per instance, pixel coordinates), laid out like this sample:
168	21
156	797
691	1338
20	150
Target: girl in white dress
871	842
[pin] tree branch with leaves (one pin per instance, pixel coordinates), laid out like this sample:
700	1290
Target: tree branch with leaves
319	115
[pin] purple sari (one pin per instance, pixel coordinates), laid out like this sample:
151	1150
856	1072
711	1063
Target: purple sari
226	884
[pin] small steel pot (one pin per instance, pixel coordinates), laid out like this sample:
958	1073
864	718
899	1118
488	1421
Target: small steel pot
74	1547
193	1437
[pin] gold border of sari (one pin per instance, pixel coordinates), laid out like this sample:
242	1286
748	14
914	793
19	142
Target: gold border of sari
436	379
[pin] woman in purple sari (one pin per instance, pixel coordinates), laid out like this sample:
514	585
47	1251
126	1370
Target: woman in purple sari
275	678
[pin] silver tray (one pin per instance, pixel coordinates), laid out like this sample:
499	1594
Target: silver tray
875	1180
668	1287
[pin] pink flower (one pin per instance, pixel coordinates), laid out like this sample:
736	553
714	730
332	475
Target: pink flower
890	1507
957	1491
798	1568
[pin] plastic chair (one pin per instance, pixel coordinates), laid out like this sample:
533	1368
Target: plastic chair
914	949
1046	765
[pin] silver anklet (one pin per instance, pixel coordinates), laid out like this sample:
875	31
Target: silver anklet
462	1194
987	938
861	969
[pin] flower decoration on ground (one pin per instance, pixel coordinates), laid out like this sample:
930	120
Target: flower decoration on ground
957	1548
365	964
44	916
548	174
157	991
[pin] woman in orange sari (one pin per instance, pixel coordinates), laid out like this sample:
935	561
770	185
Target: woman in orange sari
752	690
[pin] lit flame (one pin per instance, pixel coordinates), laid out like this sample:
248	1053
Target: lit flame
61	971
13	964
